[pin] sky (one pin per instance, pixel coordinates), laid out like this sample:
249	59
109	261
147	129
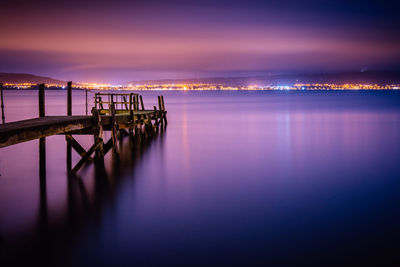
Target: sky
118	41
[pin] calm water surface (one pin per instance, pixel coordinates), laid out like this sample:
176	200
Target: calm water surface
285	178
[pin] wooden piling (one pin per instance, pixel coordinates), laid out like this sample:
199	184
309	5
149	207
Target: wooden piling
164	112
98	134
141	102
114	133
137	102
162	103
41	100
159	103
69	99
86	91
3	118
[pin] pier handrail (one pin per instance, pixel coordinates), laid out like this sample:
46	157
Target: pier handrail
120	102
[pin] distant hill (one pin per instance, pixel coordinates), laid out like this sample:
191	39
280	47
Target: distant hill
27	78
369	77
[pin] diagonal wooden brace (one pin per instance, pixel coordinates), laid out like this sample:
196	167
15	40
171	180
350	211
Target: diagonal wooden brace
76	146
85	157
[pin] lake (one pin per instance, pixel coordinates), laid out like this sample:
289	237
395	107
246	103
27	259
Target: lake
237	178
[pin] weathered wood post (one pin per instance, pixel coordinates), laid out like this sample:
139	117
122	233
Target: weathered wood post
114	134
98	134
160	111
69	99
159	103
42	141
131	113
163	110
155	117
141	102
137	102
41	100
3	118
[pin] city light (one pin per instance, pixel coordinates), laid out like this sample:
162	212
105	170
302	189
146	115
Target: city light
211	87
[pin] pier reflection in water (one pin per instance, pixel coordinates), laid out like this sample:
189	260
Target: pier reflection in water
49	240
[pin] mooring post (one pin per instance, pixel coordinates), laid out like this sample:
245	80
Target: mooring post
69	99
41	100
3	118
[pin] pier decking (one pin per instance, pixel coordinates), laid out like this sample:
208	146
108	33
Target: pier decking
21	131
121	114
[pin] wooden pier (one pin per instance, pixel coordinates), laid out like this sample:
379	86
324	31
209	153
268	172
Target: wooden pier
121	114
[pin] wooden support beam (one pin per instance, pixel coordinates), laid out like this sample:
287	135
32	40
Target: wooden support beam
125	103
164	112
41	100
155	116
159	103
86	90
131	107
69	99
114	129
3	118
75	145
141	102
162	103
85	157
98	133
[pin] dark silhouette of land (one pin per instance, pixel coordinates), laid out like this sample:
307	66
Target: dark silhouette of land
27	78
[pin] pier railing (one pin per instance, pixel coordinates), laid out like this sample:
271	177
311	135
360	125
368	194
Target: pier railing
122	103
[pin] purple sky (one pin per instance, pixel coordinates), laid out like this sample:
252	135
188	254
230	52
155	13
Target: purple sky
115	41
